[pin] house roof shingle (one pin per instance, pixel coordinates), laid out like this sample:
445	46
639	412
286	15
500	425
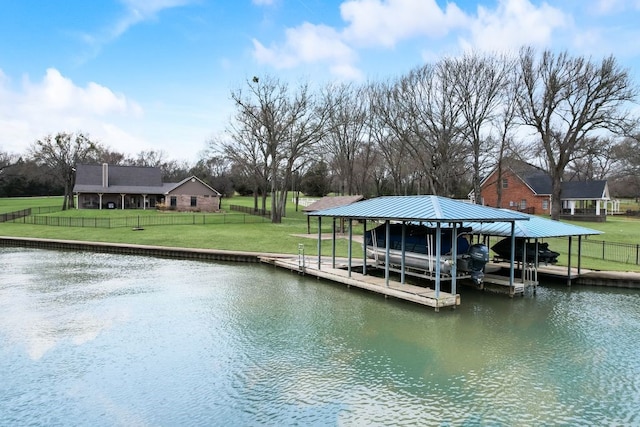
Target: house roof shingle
331	202
584	190
121	179
541	184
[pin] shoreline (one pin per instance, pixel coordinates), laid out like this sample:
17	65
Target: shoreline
630	280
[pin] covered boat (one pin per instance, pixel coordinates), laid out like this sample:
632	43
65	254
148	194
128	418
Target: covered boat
420	250
545	255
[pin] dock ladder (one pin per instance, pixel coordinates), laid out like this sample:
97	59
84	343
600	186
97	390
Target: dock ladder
530	276
301	259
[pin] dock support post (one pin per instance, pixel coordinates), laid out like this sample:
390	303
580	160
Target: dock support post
387	248
364	249
513	253
333	245
454	258
436	257
402	262
579	254
349	248
569	264
319	241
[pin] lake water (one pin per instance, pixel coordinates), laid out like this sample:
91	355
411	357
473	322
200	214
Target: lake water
102	340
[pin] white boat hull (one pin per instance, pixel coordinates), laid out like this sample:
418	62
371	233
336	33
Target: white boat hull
422	262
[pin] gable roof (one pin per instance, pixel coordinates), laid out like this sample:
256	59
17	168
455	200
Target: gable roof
420	208
120	179
540	182
170	186
331	202
585	190
537	179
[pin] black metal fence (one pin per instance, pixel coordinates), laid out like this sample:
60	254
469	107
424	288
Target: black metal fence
139	221
10	216
626	253
251	211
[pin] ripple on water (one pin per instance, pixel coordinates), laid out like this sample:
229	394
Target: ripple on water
164	342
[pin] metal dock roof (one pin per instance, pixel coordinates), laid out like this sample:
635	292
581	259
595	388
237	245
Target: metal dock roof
536	228
421	208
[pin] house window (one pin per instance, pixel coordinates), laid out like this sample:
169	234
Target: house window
194	201
505	183
174	201
545	205
523	204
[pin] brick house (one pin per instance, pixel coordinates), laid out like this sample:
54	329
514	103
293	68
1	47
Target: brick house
135	187
528	188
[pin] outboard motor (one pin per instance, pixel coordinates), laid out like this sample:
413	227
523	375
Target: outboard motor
478	257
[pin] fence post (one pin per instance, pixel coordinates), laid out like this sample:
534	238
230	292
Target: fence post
603	246
637	253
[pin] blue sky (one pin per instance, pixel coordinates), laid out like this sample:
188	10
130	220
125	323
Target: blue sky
157	74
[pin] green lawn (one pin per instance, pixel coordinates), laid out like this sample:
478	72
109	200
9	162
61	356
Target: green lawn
10	204
258	236
264	236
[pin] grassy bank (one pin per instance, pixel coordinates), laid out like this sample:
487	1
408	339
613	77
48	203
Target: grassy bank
259	236
264	236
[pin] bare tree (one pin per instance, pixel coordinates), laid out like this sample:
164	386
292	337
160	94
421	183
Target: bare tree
595	163
367	156
567	100
248	156
107	155
625	175
150	158
626	154
393	150
344	138
479	83
506	145
6	160
61	153
422	113
284	125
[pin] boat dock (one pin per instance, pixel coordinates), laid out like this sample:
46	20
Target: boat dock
341	274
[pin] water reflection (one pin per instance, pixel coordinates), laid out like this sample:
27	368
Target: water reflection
112	340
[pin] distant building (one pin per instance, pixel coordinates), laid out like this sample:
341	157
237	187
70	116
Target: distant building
528	188
135	187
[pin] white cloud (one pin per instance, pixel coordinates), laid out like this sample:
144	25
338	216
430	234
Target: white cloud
57	104
56	93
307	44
386	22
513	24
136	11
605	7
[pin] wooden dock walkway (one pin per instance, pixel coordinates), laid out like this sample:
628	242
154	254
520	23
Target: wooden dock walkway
340	274
501	284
